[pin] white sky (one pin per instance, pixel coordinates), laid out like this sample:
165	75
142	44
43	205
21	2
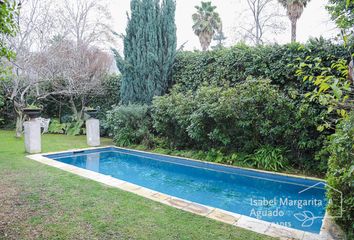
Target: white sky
314	22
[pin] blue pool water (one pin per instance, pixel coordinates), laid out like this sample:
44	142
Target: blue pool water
283	200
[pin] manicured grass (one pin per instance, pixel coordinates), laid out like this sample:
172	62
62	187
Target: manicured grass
41	202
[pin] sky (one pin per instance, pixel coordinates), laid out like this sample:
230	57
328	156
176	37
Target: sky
314	22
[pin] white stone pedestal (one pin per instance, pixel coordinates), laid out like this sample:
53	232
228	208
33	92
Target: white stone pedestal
32	136
93	132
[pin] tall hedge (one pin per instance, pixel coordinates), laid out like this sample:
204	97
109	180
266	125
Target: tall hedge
232	65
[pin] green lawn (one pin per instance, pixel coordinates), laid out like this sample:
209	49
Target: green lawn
41	202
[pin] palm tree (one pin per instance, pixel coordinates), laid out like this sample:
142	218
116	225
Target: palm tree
206	23
294	9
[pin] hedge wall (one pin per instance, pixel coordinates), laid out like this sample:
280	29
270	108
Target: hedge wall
231	65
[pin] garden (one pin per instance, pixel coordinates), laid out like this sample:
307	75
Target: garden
269	107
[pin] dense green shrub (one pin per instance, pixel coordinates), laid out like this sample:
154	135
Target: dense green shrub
171	114
232	65
250	114
72	127
242	118
341	173
75	128
56	127
130	125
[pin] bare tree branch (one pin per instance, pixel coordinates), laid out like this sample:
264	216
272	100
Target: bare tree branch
265	18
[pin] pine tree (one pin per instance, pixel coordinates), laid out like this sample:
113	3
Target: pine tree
149	50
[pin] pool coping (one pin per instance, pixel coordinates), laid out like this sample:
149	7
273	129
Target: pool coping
238	220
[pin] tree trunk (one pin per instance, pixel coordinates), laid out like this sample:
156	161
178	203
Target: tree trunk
205	41
60	110
19	123
76	113
257	34
19	118
204	45
293	30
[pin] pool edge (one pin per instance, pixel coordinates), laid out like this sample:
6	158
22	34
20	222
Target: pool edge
237	220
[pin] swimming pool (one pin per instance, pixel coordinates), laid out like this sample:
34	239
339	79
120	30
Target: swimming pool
288	201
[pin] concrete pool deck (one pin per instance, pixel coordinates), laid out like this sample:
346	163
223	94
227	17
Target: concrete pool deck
328	230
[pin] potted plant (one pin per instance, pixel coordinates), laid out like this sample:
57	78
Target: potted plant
32	111
92	112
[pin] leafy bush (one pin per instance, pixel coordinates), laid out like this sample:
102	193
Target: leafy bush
56	127
240	119
70	128
251	114
341	173
223	117
171	115
332	87
268	158
218	156
75	128
130	125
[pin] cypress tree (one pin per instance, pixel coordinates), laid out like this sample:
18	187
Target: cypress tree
149	50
